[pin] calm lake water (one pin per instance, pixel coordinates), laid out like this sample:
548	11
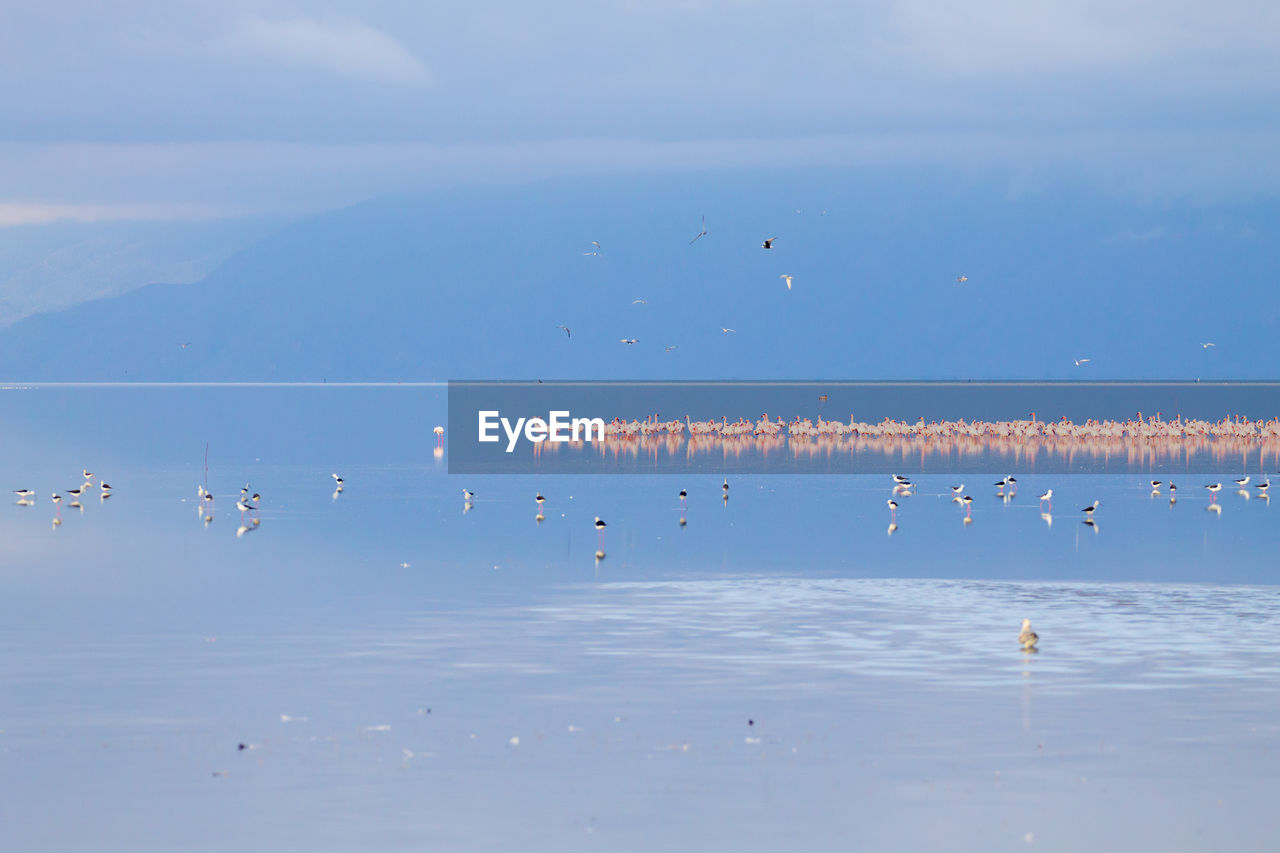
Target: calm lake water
778	672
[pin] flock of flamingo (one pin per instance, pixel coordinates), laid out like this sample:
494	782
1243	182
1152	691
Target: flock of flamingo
1139	441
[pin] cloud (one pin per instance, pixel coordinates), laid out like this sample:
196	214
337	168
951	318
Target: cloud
48	183
348	49
13	213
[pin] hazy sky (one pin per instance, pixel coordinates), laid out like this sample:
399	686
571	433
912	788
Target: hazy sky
142	110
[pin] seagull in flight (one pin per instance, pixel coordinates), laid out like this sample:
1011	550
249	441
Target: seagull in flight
1207	344
1080	361
701	233
768	244
787	279
596	253
629	341
961	279
639	302
723	329
670	348
566	331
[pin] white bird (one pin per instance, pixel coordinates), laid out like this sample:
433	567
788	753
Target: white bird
24	493
88	475
1089	509
701	233
600	525
1080	361
670	348
962	278
566	331
1206	345
337	480
1027	637
467	494
1243	483
638	302
787	279
957	490
629	341
1047	496
723	329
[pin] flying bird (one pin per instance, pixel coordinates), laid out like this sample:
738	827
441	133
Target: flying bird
723	329
639	302
566	331
787	279
1207	344
1080	361
629	341
768	244
701	233
961	279
596	253
670	348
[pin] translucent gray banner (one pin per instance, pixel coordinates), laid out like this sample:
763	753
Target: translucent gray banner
907	428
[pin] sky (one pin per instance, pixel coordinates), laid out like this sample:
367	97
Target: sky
145	111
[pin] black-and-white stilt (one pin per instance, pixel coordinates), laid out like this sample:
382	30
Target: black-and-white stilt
468	495
1012	483
684	495
1243	482
1047	497
439	431
1155	487
999	487
900	480
57	501
539	500
957	491
337	481
1089	509
106	487
1264	485
967	500
1213	488
893	509
24	494
600	526
88	475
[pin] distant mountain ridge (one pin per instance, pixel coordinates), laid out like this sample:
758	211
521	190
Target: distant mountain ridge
473	284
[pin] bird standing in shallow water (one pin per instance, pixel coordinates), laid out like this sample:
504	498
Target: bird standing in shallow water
1089	509
1027	637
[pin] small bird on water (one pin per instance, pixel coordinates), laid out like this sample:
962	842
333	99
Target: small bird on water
1027	637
